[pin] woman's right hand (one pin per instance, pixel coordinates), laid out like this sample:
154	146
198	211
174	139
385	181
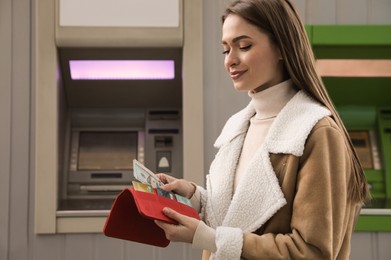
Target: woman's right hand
179	186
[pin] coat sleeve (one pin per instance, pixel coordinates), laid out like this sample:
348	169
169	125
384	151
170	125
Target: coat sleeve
201	196
318	223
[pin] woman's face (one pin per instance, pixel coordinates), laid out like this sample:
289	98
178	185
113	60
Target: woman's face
253	61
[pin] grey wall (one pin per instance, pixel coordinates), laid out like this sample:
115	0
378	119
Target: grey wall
14	129
17	238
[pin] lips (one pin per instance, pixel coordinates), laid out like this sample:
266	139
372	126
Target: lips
237	74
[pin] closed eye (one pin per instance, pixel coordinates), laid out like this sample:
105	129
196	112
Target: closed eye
246	48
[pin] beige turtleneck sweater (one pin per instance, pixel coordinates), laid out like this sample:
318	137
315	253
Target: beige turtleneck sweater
267	104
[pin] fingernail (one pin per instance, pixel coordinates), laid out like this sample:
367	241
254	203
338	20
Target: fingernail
166	210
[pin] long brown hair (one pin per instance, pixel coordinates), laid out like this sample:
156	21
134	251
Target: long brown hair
280	19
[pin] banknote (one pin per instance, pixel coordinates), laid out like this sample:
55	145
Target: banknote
144	175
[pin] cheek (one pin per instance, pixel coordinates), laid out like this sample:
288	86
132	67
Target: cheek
257	63
263	62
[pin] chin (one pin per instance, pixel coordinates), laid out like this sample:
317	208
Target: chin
240	88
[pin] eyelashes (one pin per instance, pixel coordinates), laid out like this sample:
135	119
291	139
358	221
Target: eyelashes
244	48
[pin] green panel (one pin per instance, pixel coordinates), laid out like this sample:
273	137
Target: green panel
376	181
377	187
358	100
374	175
352	52
373	223
359	91
308	29
358	117
351	35
378	195
385	137
351	41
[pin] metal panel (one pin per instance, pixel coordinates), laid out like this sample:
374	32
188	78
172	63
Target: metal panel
120	36
379	12
301	7
79	246
324	12
193	116
352	11
174	249
5	126
193	254
18	241
362	246
139	251
119	13
46	128
383	248
47	247
213	72
108	248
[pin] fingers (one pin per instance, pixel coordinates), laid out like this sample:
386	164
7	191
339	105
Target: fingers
163	225
172	186
169	230
166	181
179	186
170	183
165	178
172	214
183	231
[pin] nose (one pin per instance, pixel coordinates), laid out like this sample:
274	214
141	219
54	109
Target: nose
231	60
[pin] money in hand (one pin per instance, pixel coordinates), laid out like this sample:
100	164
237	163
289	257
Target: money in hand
144	175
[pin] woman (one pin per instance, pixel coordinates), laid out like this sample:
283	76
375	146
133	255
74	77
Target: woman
286	182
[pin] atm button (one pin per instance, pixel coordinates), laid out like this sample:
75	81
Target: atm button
163	159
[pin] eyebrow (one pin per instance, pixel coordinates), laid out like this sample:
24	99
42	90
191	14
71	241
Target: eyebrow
236	39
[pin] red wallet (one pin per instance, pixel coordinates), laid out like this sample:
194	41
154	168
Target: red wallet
133	213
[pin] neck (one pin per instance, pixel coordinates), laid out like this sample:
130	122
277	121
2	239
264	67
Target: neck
269	102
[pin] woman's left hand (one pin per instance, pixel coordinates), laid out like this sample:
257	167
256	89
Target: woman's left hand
183	231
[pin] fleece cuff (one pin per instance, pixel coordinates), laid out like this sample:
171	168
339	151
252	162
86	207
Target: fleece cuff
229	242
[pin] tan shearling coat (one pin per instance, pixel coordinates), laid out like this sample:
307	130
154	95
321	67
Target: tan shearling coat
305	212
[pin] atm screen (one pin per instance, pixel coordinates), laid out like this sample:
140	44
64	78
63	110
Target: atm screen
362	143
107	150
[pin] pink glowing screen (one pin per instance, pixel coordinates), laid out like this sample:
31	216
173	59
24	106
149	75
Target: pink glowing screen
122	69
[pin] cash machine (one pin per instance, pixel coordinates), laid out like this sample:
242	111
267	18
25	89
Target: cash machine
119	104
357	75
113	81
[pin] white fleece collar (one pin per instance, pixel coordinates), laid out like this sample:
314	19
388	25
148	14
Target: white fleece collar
300	114
258	195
